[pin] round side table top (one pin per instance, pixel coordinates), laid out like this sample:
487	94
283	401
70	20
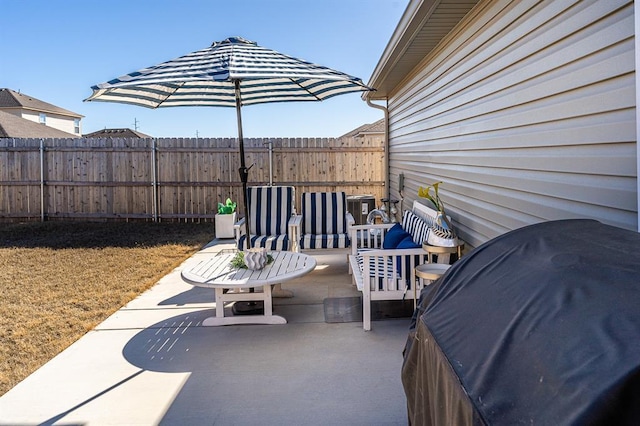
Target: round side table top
431	271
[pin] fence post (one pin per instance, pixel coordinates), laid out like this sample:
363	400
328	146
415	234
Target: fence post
154	168
41	180
270	144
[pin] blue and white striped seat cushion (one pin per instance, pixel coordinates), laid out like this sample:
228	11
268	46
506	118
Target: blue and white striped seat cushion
382	267
382	270
270	208
310	241
271	242
416	226
324	220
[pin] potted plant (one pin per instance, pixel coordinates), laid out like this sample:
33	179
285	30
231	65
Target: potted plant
225	219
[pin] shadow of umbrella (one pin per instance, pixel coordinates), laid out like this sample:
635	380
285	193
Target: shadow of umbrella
232	369
268	374
181	344
230	73
193	296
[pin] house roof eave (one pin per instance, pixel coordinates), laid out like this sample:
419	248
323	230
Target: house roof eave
421	28
10	99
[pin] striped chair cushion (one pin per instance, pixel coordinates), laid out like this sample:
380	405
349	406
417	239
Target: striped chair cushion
311	241
324	213
383	267
270	208
270	242
324	220
382	270
416	226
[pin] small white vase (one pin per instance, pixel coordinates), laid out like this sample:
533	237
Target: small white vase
255	258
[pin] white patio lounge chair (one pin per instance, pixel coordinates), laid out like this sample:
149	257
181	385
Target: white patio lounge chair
270	210
324	223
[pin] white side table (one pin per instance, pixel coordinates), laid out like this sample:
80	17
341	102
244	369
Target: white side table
432	271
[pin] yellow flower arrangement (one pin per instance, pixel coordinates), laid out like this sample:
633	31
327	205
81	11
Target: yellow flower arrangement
435	199
442	228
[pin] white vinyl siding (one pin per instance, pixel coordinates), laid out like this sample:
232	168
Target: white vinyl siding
526	112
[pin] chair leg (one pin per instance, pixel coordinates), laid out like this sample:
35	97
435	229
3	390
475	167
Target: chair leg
366	305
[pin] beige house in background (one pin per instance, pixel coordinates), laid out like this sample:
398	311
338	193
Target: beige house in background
37	111
525	110
12	126
368	132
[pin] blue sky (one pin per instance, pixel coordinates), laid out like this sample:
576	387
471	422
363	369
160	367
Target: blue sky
55	50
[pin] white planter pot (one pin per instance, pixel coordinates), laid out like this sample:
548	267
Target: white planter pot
224	225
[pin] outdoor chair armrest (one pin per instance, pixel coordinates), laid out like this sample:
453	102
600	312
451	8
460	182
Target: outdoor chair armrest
350	221
295	225
373	226
419	251
239	223
239	230
296	220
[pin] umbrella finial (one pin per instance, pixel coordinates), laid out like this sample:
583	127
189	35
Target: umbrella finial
234	40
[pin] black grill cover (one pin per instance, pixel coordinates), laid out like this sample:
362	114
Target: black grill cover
540	326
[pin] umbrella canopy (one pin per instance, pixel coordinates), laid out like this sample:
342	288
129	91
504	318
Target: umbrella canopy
207	78
230	73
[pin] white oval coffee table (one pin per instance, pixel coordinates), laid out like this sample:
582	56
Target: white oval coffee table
216	272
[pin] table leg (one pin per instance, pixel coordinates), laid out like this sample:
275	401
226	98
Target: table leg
268	301
219	303
267	318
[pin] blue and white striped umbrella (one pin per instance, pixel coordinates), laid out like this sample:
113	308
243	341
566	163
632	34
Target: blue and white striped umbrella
208	77
230	73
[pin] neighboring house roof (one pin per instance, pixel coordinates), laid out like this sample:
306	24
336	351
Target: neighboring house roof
422	27
10	99
12	126
366	129
117	133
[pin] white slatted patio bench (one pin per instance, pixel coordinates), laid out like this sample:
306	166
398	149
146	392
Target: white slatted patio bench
389	273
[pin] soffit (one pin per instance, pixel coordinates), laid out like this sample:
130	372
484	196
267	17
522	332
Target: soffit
422	27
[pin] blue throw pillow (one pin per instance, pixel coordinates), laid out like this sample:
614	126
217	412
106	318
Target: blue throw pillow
394	236
408	243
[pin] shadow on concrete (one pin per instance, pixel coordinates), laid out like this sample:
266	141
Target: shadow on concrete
195	295
313	373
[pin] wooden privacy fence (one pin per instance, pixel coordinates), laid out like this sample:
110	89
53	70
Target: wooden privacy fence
172	179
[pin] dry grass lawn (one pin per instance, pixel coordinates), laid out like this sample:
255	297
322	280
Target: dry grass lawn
60	279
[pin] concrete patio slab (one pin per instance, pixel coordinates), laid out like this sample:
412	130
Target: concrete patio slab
153	362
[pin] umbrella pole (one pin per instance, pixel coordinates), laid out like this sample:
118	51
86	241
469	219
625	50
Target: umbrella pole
243	170
251	307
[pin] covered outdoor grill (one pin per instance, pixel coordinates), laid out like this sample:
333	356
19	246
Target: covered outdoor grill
540	326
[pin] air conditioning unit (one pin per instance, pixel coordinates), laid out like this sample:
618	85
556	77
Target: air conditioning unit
360	206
